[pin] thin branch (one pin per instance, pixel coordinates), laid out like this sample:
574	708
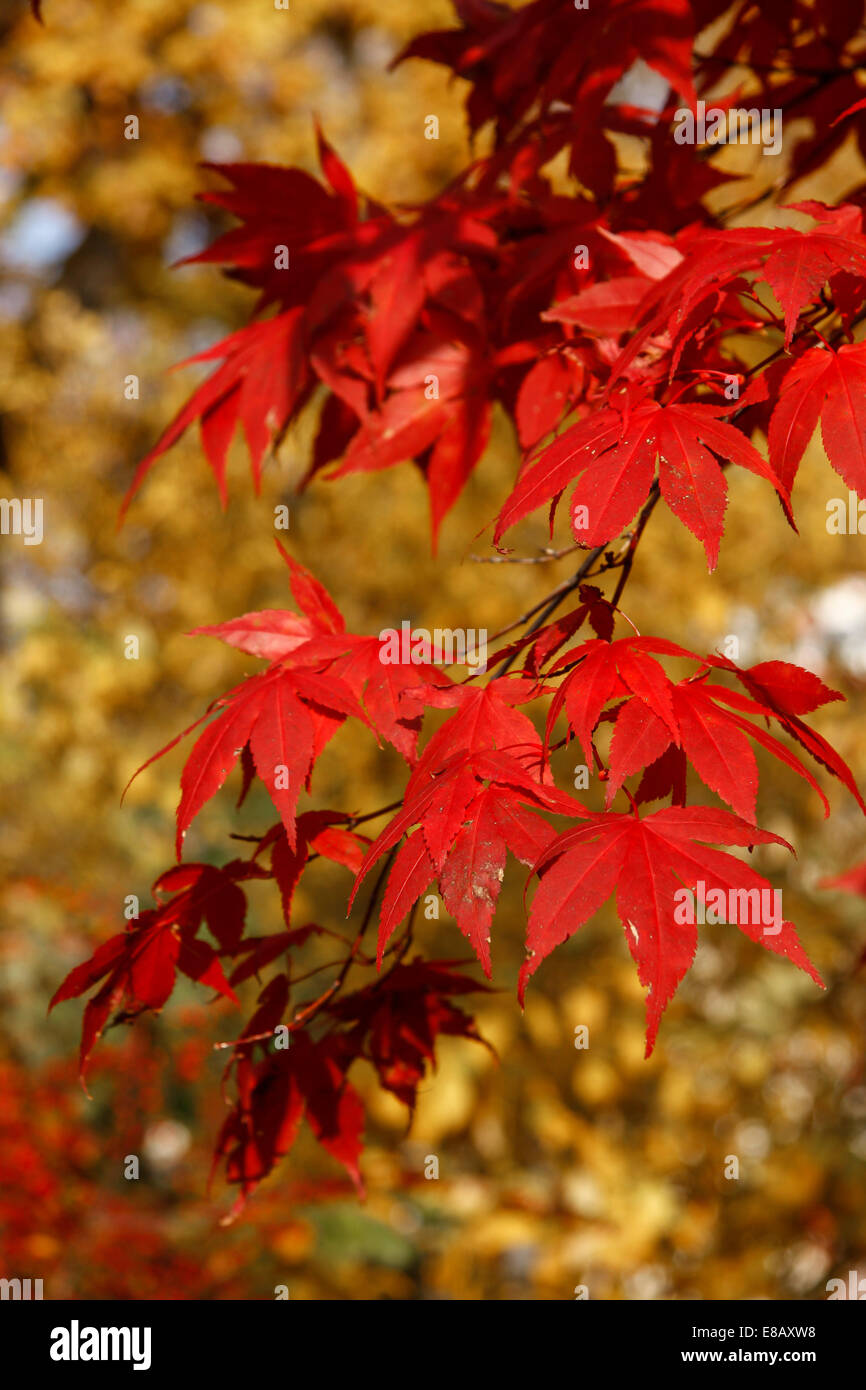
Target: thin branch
551	604
310	1009
547	554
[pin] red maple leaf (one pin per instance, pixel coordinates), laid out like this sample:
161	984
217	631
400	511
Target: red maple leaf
796	265
141	966
606	670
650	862
830	385
283	717
613	455
712	735
398	1020
306	1079
470	812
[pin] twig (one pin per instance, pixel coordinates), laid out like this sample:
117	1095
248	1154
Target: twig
547	554
551	604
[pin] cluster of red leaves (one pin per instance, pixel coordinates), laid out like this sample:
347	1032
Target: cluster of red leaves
638	344
481	787
479	290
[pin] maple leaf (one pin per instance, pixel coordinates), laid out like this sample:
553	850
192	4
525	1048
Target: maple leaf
713	736
381	687
470	813
206	893
140	966
271	633
800	264
317	833
849	111
784	688
546	53
263	378
607	670
257	952
218	748
654	255
275	1094
786	691
472	871
613	456
446	431
702	720
471	867
609	308
312	597
274	633
545	394
831	385
398	1020
283	717
373	308
648	861
612	312
365	666
796	265
485	719
542	644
